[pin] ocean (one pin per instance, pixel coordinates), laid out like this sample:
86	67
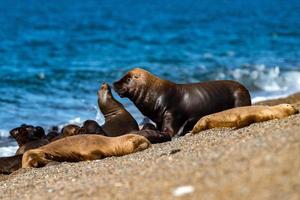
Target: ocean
55	54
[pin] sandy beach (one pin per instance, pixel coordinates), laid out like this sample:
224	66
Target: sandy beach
261	161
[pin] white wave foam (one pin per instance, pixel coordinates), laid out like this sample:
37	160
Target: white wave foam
266	83
8	151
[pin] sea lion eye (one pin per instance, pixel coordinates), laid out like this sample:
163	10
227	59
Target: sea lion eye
128	79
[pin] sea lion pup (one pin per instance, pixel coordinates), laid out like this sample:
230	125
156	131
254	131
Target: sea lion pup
10	164
66	131
53	133
27	133
91	127
69	130
84	147
52	136
28	137
118	121
244	116
175	108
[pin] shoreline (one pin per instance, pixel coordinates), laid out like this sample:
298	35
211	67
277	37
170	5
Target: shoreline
260	161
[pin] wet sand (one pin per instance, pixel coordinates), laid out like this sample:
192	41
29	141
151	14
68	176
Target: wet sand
261	161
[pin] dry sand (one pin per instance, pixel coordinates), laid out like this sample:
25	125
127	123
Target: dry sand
261	161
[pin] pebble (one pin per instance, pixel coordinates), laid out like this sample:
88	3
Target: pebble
183	190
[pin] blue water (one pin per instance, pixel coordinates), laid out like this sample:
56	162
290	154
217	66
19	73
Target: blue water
55	54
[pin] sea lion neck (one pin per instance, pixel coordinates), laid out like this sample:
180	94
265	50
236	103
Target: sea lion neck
108	104
147	97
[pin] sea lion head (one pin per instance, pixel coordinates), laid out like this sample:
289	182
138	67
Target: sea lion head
288	109
133	81
91	127
27	133
52	134
104	93
69	130
106	102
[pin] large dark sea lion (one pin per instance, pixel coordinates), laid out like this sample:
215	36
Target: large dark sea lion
118	121
175	108
84	147
244	116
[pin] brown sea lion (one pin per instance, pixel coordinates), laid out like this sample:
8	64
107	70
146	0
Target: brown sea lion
52	134
27	133
84	147
175	108
28	137
244	116
91	127
69	130
66	131
118	121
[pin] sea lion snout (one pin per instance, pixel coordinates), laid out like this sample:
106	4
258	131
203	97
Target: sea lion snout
104	86
104	91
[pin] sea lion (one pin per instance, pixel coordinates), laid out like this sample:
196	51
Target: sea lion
84	147
10	164
69	130
175	108
66	131
27	133
28	137
52	134
244	116
91	127
118	121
